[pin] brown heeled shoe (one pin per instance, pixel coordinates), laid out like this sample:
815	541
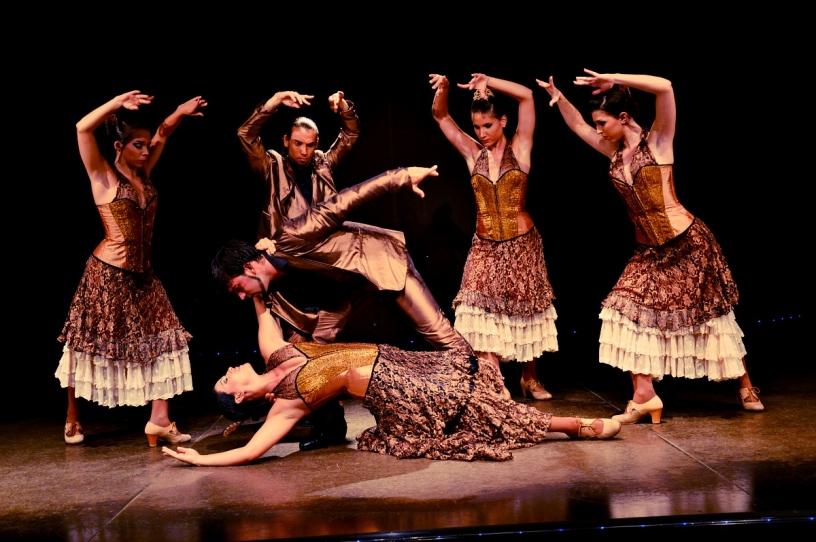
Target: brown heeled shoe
74	434
586	431
531	385
751	393
635	411
169	433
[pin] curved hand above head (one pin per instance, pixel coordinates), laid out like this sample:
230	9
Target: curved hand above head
337	102
478	82
266	245
133	99
602	81
193	107
439	82
554	93
289	98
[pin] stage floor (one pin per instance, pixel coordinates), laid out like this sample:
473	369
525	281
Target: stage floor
709	464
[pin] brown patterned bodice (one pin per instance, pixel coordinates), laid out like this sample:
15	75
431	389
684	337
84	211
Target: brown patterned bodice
128	227
324	362
651	199
500	206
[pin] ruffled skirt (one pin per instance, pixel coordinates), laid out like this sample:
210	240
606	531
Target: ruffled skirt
671	312
124	344
505	302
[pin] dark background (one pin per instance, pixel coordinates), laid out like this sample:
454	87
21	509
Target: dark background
735	168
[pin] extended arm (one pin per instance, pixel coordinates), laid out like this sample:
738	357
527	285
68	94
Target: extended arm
301	234
575	121
99	171
283	416
192	108
466	145
270	336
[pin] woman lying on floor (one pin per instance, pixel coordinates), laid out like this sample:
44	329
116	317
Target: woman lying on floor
439	405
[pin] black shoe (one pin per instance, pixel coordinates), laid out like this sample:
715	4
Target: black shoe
325	436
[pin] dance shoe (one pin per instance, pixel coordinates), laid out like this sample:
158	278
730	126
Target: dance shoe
169	433
74	434
530	385
586	431
749	397
635	411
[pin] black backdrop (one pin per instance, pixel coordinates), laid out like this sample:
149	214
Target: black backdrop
732	150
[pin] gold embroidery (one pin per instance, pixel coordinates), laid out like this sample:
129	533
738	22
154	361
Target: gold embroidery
336	358
498	204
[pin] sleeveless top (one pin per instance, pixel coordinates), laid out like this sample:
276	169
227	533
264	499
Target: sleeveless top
499	204
324	362
650	200
128	227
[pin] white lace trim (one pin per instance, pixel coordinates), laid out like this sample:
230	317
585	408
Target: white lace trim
520	338
120	383
714	349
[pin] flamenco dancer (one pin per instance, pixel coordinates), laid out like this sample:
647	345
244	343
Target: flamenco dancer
124	344
672	310
504	307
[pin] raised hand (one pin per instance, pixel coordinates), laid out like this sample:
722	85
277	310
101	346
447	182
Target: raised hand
133	99
193	107
554	93
478	82
439	83
417	174
336	99
293	99
603	82
266	245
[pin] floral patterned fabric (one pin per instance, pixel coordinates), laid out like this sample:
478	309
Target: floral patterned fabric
671	311
445	405
124	344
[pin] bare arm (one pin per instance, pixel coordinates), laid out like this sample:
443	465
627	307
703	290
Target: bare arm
270	336
191	108
466	145
523	138
284	414
661	135
99	171
575	121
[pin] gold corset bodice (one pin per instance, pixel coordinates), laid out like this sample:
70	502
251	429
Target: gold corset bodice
500	206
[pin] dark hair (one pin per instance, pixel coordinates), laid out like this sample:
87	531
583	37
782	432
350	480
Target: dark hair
615	101
238	412
122	127
230	260
486	103
304	123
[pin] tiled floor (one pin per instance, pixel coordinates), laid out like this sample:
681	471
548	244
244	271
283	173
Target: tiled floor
708	462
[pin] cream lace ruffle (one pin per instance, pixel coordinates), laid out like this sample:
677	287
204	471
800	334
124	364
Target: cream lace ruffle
519	338
119	383
713	349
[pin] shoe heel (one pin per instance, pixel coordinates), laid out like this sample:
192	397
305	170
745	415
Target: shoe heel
152	440
656	414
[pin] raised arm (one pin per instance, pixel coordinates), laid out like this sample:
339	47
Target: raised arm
523	138
249	132
270	336
99	171
466	145
661	134
191	108
349	128
575	121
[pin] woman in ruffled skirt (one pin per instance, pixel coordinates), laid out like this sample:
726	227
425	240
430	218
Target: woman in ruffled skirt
124	344
672	310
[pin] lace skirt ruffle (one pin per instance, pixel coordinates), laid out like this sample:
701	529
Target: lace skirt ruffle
520	338
713	349
113	383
